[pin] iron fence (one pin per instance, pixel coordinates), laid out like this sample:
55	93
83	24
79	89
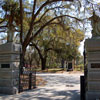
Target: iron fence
27	80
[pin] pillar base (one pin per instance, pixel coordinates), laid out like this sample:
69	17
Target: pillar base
93	95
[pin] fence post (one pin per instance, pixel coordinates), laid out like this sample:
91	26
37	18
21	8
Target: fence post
82	88
30	81
34	85
20	71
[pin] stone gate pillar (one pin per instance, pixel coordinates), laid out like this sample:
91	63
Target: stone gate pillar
93	69
9	68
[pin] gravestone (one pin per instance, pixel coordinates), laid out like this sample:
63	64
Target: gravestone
69	65
9	68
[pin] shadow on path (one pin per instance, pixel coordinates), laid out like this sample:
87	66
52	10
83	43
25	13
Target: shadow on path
58	87
44	94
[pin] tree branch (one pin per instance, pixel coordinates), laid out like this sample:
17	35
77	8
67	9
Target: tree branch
4	18
46	3
34	6
46	12
42	27
31	26
27	38
36	47
21	20
49	49
2	31
3	27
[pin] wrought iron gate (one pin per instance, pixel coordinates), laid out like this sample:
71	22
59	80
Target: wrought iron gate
27	76
27	80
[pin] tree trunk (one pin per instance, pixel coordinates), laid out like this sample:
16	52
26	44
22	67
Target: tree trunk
62	63
23	50
43	63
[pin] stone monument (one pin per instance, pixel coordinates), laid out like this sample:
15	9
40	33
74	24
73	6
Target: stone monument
92	48
9	67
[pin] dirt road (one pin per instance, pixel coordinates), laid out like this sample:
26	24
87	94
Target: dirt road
62	86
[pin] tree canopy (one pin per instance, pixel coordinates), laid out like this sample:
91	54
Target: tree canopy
35	17
56	25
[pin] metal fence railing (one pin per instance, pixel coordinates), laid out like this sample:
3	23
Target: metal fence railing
27	80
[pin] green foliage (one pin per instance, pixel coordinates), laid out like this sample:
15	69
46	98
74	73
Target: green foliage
49	25
62	44
79	67
11	12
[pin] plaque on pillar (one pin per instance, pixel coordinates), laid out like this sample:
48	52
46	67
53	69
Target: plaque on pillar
95	65
5	65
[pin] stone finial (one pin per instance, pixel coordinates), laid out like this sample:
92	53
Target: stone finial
95	22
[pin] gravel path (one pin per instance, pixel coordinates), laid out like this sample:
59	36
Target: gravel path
58	87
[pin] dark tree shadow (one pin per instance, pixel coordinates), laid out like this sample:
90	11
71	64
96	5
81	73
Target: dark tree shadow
50	93
42	94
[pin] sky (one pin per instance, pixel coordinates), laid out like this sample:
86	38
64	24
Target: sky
81	48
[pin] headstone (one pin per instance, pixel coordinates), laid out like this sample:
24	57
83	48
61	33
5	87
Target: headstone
9	68
69	65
